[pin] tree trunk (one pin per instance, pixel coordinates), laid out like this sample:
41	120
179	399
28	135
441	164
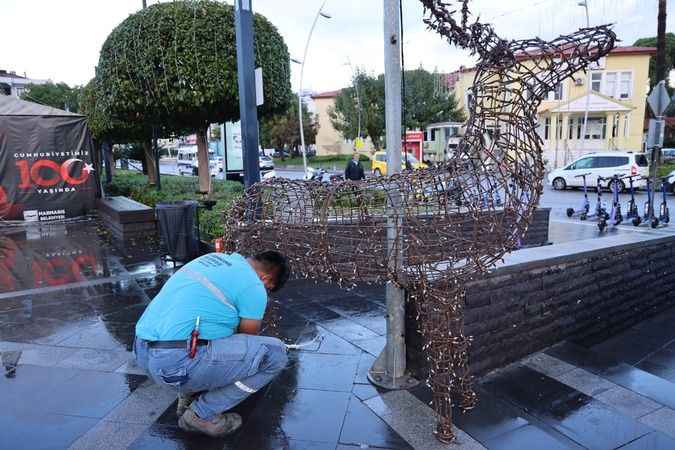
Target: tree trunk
203	160
149	161
661	43
108	161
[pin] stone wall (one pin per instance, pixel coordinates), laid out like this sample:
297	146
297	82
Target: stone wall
577	290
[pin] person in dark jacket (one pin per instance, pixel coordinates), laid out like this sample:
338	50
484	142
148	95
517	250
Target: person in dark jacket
354	170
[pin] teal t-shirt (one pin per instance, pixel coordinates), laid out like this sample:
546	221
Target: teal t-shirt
172	313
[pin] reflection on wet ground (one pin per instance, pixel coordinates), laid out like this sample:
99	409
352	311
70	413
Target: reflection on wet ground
69	300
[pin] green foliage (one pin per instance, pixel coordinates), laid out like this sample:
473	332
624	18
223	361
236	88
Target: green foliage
282	130
58	95
325	161
135	186
426	102
344	116
670	55
105	127
174	64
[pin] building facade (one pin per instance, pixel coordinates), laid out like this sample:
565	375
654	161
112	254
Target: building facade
613	91
15	85
329	141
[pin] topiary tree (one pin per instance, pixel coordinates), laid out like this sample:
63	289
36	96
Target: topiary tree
173	65
105	128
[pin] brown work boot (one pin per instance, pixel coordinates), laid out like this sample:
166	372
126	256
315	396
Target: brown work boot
219	426
184	402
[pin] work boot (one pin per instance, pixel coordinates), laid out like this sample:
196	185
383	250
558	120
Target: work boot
220	425
184	402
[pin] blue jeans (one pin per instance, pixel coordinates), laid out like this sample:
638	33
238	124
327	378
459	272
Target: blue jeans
225	372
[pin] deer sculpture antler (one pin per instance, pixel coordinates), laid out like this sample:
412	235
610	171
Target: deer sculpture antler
447	224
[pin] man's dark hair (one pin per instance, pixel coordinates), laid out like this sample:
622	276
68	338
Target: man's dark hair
275	262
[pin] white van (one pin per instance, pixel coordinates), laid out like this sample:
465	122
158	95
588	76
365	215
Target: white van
188	164
601	164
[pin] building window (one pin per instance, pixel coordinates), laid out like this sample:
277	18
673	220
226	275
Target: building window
626	125
468	98
610	84
547	128
624	85
616	84
559	128
596	128
615	126
556	93
570	128
596	81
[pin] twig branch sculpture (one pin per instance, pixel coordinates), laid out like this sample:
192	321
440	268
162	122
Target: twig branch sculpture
453	222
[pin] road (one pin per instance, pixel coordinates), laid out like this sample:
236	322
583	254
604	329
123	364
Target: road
558	201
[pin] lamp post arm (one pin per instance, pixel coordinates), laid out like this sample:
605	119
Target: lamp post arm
302	74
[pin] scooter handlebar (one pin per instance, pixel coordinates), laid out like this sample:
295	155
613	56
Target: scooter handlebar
583	175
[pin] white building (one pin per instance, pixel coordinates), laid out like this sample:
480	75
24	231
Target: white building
15	85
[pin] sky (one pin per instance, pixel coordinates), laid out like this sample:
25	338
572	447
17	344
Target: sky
61	40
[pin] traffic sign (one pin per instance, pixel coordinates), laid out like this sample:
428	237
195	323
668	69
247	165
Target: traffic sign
659	100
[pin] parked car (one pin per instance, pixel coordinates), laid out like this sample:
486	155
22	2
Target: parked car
668	155
281	153
266	163
601	164
379	163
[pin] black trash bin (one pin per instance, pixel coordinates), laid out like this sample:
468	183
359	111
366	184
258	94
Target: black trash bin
177	228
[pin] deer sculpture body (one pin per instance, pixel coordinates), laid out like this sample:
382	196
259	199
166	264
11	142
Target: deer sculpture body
432	230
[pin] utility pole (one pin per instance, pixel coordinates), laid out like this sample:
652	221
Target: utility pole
145	4
389	369
243	21
584	3
661	43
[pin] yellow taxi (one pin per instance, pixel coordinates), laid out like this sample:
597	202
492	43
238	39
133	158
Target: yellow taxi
379	163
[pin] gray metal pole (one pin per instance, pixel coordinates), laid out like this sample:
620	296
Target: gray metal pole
389	370
584	3
302	75
247	101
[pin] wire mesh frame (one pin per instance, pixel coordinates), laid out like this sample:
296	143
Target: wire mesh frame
447	224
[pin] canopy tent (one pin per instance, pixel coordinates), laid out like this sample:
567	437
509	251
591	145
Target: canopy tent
46	156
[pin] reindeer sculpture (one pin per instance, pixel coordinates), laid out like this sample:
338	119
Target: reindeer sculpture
431	231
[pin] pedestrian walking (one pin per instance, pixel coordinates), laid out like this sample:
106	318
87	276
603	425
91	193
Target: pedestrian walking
199	335
354	170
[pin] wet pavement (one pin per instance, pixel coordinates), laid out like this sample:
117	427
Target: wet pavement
69	300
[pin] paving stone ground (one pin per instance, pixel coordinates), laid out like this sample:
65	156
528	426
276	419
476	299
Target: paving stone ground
69	300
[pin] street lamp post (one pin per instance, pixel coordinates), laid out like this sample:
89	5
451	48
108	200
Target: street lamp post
319	13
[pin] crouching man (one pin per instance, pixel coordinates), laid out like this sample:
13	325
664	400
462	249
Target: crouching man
226	294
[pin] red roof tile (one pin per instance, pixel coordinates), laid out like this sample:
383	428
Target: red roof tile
327	94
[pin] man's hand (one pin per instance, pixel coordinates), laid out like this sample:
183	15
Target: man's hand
250	326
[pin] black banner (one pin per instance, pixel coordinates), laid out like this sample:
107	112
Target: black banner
46	170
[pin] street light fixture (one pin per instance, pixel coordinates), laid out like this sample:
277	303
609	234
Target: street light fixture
325	15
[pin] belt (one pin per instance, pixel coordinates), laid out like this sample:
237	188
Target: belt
175	344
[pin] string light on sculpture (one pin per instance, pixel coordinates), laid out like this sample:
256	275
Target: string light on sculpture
453	221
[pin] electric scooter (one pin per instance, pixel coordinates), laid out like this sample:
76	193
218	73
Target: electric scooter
600	210
615	217
585	204
633	211
664	213
645	212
